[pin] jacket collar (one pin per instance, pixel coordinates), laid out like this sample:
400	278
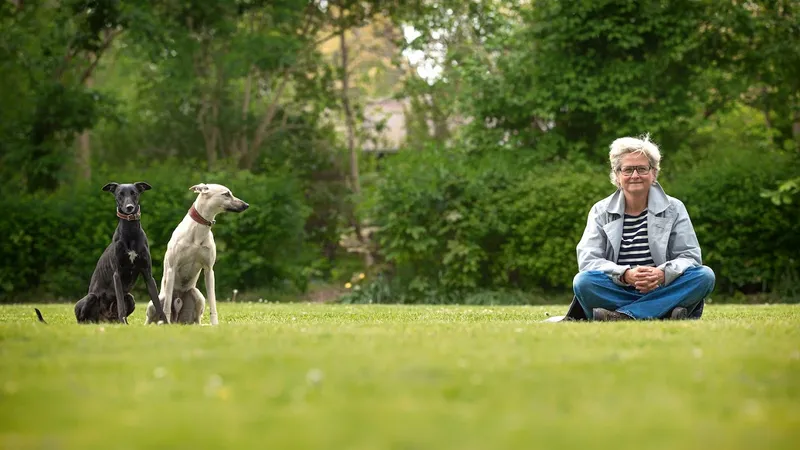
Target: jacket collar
657	200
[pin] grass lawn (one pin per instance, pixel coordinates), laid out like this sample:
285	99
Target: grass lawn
401	377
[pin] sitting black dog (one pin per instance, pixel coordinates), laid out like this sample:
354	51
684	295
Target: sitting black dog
109	298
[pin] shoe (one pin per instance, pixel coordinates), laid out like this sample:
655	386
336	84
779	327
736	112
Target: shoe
679	313
604	315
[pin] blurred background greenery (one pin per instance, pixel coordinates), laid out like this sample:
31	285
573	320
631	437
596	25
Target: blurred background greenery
394	151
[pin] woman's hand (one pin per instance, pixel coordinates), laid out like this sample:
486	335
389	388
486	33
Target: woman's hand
644	279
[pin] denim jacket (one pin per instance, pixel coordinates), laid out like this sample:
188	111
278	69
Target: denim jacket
673	242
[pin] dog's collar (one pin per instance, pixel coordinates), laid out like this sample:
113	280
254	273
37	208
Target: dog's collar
131	217
198	218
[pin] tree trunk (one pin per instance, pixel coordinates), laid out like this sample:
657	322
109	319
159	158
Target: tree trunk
349	121
243	147
796	126
84	159
208	114
84	156
351	144
216	133
249	158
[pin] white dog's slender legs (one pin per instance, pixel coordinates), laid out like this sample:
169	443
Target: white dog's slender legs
169	276
199	304
212	296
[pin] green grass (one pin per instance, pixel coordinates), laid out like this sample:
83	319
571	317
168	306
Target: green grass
401	377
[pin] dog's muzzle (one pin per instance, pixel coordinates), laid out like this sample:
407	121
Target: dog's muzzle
239	208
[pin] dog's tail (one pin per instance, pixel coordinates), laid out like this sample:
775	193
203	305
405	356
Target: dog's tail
39	314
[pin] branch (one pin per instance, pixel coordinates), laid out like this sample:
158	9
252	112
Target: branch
284	127
327	38
261	131
265	122
71	52
106	43
308	17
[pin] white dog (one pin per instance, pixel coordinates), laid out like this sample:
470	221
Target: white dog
190	249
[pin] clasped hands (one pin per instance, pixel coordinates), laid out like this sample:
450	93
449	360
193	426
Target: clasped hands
643	278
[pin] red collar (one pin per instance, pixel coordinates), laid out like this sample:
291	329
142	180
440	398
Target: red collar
198	218
131	217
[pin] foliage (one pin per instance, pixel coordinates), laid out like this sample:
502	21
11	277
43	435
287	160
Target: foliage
784	193
566	78
47	52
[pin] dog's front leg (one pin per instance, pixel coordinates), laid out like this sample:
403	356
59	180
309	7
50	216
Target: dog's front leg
153	291
211	294
166	289
121	312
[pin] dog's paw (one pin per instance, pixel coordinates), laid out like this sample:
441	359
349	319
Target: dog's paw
214	320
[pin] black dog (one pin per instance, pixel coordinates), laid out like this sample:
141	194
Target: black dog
117	270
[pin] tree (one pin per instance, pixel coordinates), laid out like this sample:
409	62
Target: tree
49	51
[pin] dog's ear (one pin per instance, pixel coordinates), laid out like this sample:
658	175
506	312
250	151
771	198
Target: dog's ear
111	187
199	188
141	186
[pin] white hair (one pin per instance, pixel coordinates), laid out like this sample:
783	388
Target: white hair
626	145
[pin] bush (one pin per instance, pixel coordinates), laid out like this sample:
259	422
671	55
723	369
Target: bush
450	224
426	209
54	240
749	242
390	290
546	215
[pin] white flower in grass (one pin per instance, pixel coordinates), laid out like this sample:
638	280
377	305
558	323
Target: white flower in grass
214	386
314	376
752	408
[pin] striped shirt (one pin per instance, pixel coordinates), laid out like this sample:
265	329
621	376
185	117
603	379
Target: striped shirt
634	249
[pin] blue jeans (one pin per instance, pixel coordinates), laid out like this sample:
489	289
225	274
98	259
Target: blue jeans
594	289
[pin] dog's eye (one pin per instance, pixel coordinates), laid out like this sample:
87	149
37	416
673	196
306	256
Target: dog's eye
227	194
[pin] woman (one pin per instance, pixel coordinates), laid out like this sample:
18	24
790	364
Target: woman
639	257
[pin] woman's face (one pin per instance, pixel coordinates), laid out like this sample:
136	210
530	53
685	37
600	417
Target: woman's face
629	177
